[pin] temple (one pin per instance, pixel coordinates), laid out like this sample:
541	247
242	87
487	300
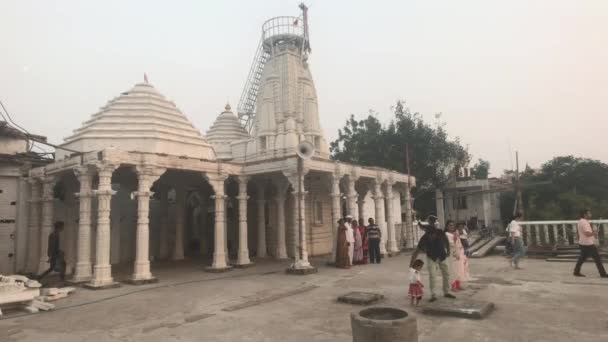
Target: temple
137	182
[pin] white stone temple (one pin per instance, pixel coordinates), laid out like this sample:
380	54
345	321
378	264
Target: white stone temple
137	182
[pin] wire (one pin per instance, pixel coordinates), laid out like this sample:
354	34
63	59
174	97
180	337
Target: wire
11	119
30	144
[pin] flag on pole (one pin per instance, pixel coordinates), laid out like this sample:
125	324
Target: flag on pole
145	78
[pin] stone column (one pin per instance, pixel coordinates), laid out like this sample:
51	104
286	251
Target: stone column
281	242
180	208
302	243
261	204
83	270
146	176
361	207
335	213
34	225
352	196
48	183
163	249
440	207
379	208
102	271
243	255
219	254
390	219
409	226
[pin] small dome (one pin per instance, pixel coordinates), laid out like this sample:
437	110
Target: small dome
225	130
143	120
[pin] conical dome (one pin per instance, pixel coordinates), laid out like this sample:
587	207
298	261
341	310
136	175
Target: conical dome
225	130
141	120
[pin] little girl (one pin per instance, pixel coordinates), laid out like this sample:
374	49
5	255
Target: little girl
415	291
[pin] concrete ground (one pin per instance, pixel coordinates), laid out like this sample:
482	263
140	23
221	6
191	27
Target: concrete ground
543	302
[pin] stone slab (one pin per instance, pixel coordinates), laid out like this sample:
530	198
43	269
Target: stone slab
463	309
113	285
211	269
360	298
301	271
141	281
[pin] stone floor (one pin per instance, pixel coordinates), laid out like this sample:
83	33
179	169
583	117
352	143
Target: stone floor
543	302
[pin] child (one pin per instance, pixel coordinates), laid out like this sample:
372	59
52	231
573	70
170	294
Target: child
415	291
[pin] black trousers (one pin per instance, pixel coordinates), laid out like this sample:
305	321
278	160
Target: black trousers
374	251
586	252
57	264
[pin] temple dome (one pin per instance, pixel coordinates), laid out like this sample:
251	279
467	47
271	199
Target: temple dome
143	120
226	130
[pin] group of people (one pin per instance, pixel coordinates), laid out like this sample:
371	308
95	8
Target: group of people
446	252
357	244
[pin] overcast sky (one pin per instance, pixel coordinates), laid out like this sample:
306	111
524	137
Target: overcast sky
529	74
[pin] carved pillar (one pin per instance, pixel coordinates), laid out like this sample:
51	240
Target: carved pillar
335	213
34	225
146	176
164	225
379	208
48	183
261	204
180	212
281	242
243	255
102	271
301	252
352	196
390	219
219	254
409	227
83	270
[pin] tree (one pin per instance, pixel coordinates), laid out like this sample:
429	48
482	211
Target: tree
481	170
433	155
576	183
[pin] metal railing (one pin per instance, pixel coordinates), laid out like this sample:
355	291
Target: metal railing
559	233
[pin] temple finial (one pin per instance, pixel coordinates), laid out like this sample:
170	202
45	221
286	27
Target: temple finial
146	78
227	108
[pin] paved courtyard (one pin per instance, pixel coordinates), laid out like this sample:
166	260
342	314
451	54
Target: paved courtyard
541	303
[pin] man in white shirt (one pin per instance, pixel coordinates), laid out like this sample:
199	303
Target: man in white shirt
516	240
350	238
586	243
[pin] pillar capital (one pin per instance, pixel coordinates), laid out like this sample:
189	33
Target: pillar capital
242	198
219	197
216	180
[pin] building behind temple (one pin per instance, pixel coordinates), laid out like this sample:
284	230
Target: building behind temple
137	182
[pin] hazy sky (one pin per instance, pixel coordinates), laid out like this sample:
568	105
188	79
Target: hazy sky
531	74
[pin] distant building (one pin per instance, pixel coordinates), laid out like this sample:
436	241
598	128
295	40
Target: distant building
15	163
473	201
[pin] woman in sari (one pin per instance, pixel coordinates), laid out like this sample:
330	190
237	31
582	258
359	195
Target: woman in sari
364	245
358	252
459	266
342	259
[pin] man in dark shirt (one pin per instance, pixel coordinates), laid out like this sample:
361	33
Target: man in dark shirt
374	236
437	248
54	253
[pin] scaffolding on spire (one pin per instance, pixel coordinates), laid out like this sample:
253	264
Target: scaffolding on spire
274	31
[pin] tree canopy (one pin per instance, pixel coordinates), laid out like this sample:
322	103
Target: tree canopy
481	169
433	155
576	183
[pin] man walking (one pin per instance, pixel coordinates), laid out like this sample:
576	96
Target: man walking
374	235
586	243
350	238
437	248
57	263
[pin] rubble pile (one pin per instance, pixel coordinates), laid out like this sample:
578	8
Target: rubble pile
17	291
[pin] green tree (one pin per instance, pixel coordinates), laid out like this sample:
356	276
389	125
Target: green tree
576	183
433	155
481	170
